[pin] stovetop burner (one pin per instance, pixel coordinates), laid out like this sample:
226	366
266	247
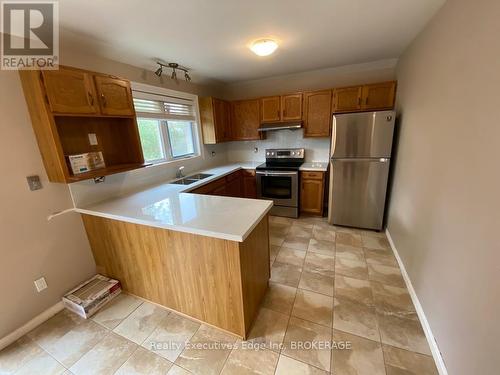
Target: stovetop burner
287	166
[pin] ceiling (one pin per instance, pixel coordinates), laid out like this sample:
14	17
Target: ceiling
211	36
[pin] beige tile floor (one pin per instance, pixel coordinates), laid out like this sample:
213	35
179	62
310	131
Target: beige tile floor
329	285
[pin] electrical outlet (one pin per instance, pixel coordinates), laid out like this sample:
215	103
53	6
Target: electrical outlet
255	149
34	182
93	139
40	284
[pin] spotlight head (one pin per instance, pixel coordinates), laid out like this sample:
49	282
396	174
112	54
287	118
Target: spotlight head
187	77
159	71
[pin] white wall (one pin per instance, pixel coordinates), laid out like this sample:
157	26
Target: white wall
30	246
445	208
348	75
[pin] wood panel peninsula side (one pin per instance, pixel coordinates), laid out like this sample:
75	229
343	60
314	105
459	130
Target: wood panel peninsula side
217	281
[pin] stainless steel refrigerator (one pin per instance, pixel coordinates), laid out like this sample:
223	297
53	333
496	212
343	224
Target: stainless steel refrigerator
360	156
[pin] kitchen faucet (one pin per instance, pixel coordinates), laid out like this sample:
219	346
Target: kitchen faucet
179	172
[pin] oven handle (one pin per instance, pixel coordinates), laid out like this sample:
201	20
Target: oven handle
277	173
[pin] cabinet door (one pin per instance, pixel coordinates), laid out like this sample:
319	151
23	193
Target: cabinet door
233	188
270	109
222	191
347	99
317	113
291	107
227	121
378	96
311	196
70	91
249	184
245	120
221	117
115	96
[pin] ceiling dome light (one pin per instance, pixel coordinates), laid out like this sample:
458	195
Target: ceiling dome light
264	47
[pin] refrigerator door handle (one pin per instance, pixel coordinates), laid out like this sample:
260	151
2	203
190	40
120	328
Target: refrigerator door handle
377	160
334	136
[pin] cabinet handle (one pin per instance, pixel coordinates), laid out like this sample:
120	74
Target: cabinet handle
91	98
103	100
366	101
359	100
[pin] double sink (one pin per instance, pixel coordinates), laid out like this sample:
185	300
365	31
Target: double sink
191	179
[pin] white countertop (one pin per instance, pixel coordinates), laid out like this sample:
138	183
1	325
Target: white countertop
314	166
172	207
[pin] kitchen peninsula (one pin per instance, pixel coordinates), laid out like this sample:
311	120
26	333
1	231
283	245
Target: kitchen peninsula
201	255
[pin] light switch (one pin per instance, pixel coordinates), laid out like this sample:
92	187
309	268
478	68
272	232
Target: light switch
40	284
34	182
93	139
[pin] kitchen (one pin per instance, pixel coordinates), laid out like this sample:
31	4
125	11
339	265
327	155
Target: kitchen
243	207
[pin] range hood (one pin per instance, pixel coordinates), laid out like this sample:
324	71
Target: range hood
268	126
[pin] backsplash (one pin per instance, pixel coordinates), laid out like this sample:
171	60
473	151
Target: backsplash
317	149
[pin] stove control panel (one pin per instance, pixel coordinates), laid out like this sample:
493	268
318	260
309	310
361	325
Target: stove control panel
285	153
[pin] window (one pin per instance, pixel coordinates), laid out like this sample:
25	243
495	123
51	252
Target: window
167	127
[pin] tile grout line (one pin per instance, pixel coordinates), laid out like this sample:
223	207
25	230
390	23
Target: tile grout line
108	334
333	309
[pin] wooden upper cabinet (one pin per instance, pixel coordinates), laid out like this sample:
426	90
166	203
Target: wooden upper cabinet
245	120
291	107
222	120
378	96
64	110
215	120
70	91
270	109
115	96
281	108
347	99
317	113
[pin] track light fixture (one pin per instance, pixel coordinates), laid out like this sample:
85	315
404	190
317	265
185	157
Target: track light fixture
174	67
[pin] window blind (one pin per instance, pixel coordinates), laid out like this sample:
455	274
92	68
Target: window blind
156	106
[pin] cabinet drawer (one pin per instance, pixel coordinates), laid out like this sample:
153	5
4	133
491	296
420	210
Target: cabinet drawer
210	187
312	175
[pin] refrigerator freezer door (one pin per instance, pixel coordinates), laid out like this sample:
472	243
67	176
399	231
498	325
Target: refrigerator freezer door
357	192
362	135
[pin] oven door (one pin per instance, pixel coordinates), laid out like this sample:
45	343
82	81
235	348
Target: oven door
280	187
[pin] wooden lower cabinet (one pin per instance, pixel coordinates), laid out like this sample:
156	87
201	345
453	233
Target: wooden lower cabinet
240	184
234	184
312	189
249	185
215	281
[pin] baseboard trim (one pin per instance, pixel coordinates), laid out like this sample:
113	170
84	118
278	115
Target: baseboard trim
436	354
33	323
